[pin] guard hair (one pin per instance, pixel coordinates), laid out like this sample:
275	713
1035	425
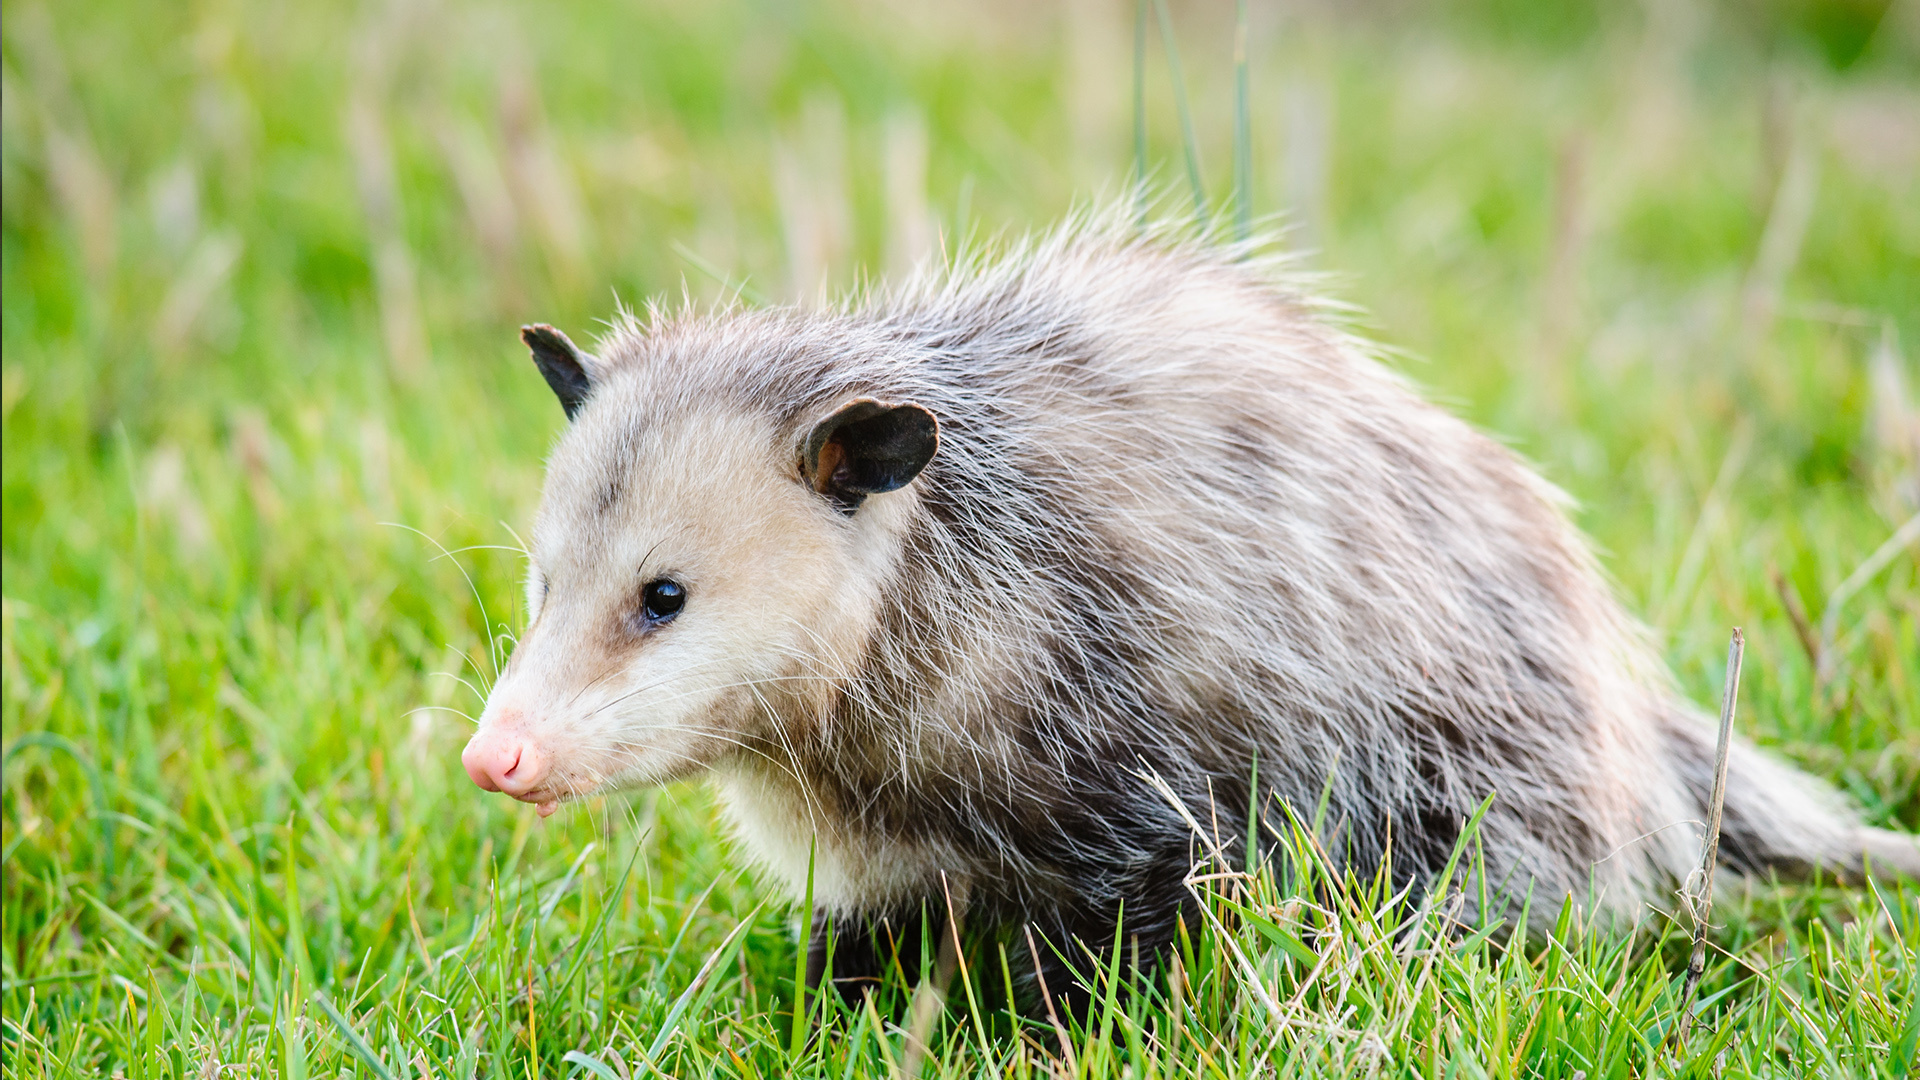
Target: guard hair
1145	508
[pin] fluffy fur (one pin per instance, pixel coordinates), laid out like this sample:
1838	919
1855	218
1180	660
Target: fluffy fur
1176	520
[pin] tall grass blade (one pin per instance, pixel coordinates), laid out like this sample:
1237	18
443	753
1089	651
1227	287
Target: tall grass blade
590	1063
697	991
803	947
1140	111
559	892
741	289
296	924
1242	131
1189	143
354	1042
293	1047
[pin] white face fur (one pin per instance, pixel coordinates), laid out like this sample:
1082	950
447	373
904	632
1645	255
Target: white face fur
777	592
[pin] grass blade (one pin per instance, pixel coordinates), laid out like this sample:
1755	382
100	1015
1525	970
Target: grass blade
698	989
741	288
354	1042
590	1063
560	891
1140	111
1189	143
60	742
798	1041
1242	131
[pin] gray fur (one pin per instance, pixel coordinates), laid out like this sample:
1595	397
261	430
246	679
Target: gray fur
1176	519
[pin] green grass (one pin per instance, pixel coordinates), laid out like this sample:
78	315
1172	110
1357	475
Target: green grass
231	795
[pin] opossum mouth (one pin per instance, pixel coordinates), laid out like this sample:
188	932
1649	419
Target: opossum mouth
544	800
548	797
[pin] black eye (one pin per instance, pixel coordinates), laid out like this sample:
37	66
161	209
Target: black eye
663	599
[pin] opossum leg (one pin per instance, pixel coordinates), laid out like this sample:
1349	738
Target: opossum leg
1075	948
866	950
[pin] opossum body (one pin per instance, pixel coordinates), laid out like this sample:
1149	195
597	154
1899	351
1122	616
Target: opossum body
929	583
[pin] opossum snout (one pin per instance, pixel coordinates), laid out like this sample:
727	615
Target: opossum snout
504	760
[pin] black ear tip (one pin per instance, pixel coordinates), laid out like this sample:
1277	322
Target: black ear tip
566	368
915	432
922	422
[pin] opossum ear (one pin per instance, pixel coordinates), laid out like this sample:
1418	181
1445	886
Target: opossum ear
867	447
568	370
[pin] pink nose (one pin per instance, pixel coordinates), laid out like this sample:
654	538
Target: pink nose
505	761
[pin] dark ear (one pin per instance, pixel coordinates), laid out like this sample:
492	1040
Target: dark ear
867	447
568	370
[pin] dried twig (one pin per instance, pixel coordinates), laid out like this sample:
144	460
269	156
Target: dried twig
1797	611
1059	1029
1710	853
960	956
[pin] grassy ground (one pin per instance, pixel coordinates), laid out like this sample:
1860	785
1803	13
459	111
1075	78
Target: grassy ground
262	266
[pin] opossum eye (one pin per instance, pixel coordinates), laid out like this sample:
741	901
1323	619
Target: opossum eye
663	599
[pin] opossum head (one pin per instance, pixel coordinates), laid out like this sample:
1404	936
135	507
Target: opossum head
704	577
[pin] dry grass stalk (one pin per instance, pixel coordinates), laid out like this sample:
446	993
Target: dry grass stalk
1786	229
80	181
1896	423
173	205
1776	140
393	263
198	283
910	224
1560	299
1710	852
484	191
810	183
86	192
1560	316
1053	1016
1797	612
544	189
1308	160
168	493
1095	37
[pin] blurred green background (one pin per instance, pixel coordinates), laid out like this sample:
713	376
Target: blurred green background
264	263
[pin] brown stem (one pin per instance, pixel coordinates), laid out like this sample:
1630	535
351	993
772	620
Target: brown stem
1710	855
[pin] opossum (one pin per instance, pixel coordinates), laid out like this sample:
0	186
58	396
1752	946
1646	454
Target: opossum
956	588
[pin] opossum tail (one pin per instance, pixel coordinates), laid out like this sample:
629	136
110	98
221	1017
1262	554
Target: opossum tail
1780	820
